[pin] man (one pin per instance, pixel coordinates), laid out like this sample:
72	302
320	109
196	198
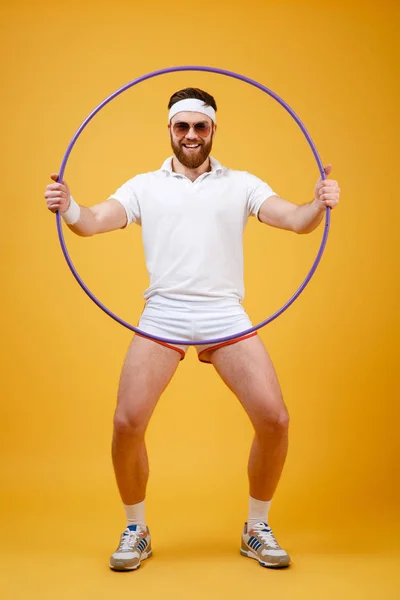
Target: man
193	212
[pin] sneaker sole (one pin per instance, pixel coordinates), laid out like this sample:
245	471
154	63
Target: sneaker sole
122	567
262	562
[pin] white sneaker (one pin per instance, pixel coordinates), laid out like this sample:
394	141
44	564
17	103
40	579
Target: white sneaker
134	546
260	543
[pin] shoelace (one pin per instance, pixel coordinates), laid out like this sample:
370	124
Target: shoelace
128	539
266	536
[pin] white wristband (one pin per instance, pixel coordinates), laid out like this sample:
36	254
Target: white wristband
72	214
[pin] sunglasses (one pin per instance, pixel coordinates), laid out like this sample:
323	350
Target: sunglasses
202	129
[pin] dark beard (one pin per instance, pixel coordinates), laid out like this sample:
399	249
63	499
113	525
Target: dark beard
192	161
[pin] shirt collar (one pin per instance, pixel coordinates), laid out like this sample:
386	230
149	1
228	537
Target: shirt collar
216	167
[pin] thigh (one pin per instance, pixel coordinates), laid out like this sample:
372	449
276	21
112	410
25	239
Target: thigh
147	370
247	370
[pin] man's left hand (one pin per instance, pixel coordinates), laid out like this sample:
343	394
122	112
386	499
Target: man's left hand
327	191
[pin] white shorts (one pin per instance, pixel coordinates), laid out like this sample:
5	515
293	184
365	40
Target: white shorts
194	320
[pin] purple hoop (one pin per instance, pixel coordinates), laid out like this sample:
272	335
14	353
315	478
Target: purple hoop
317	158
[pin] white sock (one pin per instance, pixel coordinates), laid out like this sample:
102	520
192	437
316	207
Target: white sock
135	514
258	511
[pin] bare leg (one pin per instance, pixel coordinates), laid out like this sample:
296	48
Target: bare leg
247	370
147	370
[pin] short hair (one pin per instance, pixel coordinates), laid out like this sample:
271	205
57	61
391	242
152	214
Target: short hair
192	93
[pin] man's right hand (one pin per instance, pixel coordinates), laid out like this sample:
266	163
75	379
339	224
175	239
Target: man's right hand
58	196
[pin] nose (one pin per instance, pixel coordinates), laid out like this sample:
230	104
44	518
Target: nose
191	134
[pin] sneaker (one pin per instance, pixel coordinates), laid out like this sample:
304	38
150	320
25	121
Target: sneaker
260	543
134	546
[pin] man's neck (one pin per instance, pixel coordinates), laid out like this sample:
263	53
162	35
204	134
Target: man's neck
191	174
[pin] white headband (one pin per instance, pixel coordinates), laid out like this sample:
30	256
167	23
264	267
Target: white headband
192	105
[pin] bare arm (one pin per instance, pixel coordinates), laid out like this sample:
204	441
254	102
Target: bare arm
277	212
100	218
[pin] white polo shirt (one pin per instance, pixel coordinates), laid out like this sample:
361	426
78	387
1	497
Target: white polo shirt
193	231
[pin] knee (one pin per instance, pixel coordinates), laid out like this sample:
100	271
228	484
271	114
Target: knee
273	423
128	422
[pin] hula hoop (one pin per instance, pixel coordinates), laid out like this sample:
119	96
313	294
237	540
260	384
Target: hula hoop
320	167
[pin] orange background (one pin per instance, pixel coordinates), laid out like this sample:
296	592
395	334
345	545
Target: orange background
335	350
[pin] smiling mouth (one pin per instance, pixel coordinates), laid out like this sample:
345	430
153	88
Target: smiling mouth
191	146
